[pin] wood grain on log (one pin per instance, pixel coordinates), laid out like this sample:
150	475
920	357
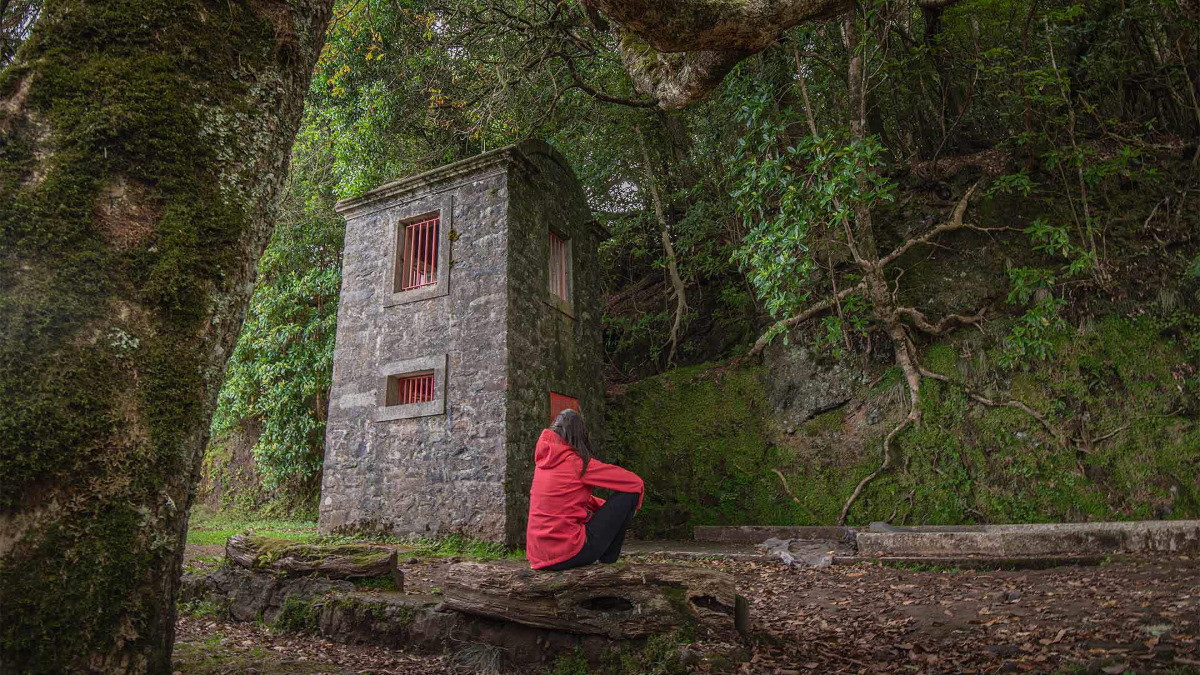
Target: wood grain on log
342	561
617	601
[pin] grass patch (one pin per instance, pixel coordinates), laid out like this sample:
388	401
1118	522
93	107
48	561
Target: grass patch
201	609
207	527
457	545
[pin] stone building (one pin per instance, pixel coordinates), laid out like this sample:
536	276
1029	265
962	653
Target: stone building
469	315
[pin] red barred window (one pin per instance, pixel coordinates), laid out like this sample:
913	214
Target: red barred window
419	254
414	389
558	266
559	403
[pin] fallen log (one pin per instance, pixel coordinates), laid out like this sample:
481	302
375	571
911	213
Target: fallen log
617	601
332	561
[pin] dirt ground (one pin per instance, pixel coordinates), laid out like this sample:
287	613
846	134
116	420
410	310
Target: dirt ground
1139	617
1115	618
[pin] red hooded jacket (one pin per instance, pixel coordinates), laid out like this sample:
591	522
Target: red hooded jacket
561	501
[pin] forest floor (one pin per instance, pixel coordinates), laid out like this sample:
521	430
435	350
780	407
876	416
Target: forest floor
1120	617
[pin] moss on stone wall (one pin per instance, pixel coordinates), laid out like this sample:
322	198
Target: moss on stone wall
701	439
697	436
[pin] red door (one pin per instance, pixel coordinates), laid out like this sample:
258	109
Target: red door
559	403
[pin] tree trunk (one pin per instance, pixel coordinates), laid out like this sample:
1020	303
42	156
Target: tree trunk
617	601
142	145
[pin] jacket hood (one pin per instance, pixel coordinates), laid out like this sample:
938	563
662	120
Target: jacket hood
552	450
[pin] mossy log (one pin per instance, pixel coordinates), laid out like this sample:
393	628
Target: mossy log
617	601
290	558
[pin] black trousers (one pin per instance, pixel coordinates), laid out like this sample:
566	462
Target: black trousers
605	532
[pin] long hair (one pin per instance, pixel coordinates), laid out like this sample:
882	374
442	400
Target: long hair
569	426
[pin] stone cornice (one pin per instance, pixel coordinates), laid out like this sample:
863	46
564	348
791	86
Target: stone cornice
444	177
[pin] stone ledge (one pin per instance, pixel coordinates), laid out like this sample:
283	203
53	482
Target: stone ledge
1049	539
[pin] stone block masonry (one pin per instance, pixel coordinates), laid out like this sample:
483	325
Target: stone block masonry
489	332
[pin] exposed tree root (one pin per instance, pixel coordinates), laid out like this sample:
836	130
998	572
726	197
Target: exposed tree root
1058	435
955	222
883	467
948	322
811	312
786	489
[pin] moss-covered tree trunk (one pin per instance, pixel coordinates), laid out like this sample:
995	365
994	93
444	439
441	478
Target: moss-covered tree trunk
142	145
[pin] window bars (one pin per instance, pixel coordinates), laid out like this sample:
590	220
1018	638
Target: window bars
558	266
420	249
414	389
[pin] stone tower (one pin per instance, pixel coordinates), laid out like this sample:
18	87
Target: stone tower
470	313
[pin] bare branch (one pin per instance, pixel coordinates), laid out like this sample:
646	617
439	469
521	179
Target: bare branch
955	223
599	95
918	319
884	466
665	234
787	489
807	314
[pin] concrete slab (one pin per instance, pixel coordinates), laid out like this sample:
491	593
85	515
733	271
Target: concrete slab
693	550
1049	539
978	563
756	534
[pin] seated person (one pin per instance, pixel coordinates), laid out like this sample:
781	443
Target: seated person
568	525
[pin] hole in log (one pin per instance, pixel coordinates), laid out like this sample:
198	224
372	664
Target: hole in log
607	603
711	603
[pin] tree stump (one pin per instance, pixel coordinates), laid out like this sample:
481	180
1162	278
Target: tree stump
618	601
290	558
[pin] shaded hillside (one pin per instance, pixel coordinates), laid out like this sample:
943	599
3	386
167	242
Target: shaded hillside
1115	383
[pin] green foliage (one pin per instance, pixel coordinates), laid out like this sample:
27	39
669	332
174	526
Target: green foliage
202	609
1033	333
1072	104
791	197
279	373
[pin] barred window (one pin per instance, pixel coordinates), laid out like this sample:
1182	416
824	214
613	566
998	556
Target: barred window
412	388
418	250
560	255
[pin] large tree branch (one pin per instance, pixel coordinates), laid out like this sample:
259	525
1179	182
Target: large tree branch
684	48
714	25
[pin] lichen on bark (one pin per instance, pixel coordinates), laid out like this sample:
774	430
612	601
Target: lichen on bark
141	147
